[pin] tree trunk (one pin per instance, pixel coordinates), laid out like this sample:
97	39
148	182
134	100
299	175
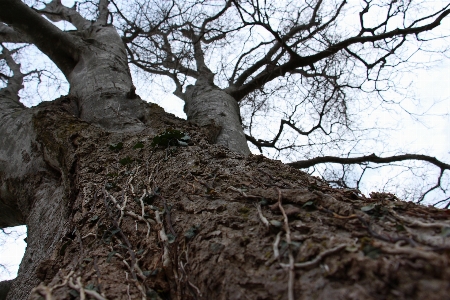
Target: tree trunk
102	83
206	104
36	186
143	222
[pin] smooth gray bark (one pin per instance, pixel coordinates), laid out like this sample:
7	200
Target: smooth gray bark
47	224
93	59
32	191
36	175
102	82
206	103
20	156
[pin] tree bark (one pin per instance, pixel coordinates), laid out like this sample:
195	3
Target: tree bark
39	183
93	59
206	104
36	187
102	83
203	222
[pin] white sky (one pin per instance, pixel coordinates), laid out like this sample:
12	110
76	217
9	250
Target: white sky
433	85
12	249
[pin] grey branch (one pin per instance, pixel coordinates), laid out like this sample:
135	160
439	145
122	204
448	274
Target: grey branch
41	33
9	35
56	12
15	82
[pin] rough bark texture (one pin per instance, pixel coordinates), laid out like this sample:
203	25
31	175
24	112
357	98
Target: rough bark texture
4	288
39	192
205	104
142	222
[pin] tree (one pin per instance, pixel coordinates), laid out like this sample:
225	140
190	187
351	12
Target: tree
297	66
93	173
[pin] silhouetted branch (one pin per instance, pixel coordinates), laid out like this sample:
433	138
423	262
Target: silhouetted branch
297	61
56	12
302	164
14	82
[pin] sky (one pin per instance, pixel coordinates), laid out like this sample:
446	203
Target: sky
431	136
12	249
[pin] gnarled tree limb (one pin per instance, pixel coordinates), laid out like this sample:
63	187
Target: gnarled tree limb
56	44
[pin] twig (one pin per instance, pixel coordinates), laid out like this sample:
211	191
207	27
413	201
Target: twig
415	252
261	216
123	236
133	174
88	235
122	208
47	291
129	213
81	289
44	291
196	288
317	259
150	178
384	238
187	279
242	192
418	223
237	190
164	240
83	292
276	252
66	279
142	202
291	256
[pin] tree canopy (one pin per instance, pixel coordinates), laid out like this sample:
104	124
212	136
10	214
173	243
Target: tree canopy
311	70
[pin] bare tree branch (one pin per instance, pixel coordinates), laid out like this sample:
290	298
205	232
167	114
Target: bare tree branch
301	67
281	41
10	93
103	12
369	158
297	61
9	35
56	44
56	12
